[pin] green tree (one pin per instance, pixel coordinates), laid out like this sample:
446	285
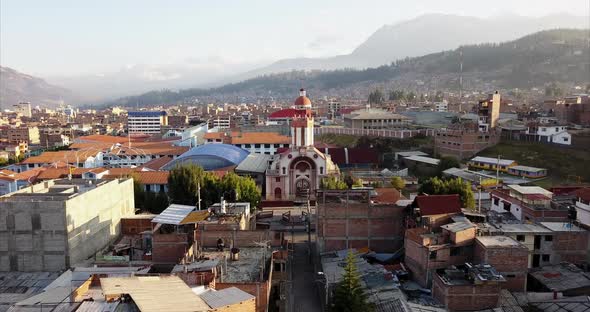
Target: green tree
376	97
438	186
183	183
349	294
398	183
447	162
333	183
138	192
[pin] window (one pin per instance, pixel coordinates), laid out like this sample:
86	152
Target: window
545	258
256	145
511	275
520	238
248	146
284	170
566	139
321	170
266	145
277	179
161	187
496	201
507	206
548	238
432	255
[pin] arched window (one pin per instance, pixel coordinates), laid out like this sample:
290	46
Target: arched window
284	170
321	170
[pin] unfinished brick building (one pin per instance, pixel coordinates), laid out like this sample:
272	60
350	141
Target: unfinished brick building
509	257
468	287
357	219
426	251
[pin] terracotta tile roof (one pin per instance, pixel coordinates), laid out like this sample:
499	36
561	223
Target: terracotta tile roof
5	172
237	137
7	178
158	163
260	137
144	177
152	177
221	172
63	156
29	175
584	194
104	139
438	204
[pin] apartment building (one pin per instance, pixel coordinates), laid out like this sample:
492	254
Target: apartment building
30	135
146	122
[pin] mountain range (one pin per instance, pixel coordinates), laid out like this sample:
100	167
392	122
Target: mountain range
420	36
561	55
424	35
17	87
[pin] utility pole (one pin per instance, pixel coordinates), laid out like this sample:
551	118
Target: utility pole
479	199
199	195
498	169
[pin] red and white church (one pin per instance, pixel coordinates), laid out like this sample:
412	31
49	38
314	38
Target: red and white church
298	170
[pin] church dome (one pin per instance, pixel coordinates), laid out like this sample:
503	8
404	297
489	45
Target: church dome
302	100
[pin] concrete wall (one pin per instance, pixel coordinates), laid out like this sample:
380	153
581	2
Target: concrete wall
94	217
52	234
32	236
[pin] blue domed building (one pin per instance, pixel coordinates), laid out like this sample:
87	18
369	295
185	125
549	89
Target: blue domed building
211	157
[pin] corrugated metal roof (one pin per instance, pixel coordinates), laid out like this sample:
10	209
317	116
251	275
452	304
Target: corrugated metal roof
492	161
225	297
174	214
95	306
254	163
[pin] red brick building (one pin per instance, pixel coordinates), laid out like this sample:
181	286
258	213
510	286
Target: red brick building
508	256
425	251
468	288
359	218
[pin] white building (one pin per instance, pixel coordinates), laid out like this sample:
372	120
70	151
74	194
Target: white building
583	206
441	106
220	122
146	122
518	198
551	134
23	108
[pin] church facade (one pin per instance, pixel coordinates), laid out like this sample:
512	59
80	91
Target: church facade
299	170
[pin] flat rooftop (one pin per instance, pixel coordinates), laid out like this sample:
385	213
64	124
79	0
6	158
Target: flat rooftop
498	241
248	268
562	277
55	190
516	228
562	227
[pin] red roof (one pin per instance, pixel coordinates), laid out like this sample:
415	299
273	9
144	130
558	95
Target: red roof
438	204
157	163
288	113
302	101
584	194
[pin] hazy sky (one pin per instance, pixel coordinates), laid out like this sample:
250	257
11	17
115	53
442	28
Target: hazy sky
67	37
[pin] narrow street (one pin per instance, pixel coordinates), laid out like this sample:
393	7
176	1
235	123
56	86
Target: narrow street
305	294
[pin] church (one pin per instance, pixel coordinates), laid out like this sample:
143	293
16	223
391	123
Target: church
298	170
